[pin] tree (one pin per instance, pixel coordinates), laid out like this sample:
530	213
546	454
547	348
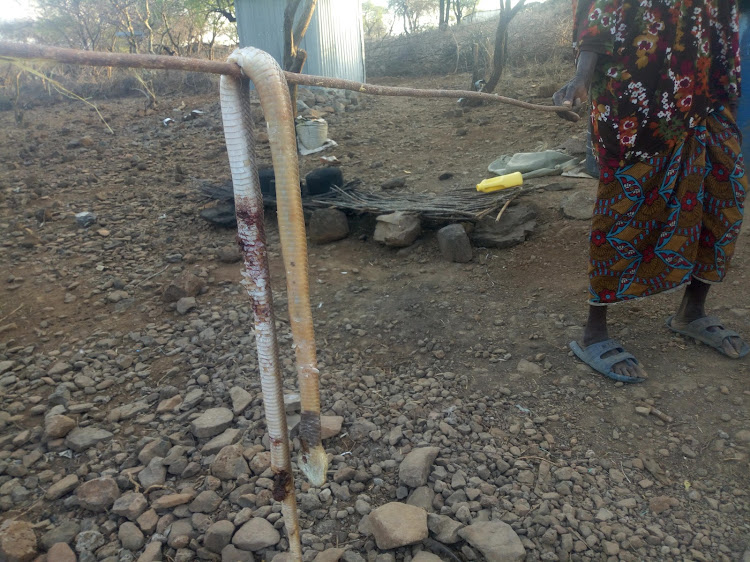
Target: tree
500	53
412	11
297	18
463	8
373	19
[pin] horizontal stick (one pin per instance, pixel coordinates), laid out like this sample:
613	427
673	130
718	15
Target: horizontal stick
10	50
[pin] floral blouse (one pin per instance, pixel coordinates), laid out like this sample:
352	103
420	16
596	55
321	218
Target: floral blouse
664	65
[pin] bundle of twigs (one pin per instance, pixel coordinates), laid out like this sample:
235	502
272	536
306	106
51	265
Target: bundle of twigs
458	204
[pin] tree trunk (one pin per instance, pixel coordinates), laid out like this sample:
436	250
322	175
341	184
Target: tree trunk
441	21
294	57
501	44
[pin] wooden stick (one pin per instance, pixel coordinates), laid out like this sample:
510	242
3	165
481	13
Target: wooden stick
500	214
10	50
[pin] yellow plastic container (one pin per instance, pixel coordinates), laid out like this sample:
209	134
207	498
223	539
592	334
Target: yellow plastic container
500	182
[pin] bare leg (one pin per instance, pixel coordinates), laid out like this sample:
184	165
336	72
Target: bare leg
693	307
596	331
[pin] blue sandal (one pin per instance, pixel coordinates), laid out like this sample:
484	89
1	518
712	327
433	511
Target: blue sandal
593	357
700	330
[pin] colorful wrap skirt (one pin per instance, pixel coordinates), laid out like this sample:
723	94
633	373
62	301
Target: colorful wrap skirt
660	222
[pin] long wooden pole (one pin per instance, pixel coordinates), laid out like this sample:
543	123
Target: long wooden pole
10	50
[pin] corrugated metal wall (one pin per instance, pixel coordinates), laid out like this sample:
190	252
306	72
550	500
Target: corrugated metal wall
334	41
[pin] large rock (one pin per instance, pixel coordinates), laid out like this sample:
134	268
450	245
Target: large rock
514	227
205	502
496	540
58	426
579	205
330	426
328	225
229	464
61	552
82	438
398	229
241	399
424	556
156	448
218	535
212	422
416	466
454	243
330	555
98	494
229	437
62	487
130	536
397	524
444	529
151	553
65	532
154	474
255	535
17	541
186	284
130	505
231	553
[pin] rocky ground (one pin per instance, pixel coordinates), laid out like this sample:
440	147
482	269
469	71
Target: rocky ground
459	426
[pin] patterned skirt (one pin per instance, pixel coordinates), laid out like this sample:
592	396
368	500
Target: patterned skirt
659	222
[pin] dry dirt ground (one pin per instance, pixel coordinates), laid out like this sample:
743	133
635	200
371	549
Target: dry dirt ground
405	314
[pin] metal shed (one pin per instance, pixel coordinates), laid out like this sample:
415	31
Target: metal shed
334	40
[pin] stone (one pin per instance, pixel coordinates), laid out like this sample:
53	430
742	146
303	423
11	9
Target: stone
229	437
454	244
17	541
154	474
61	487
416	466
156	448
328	225
443	528
89	541
98	494
6	366
130	505
513	228
212	422
579	205
255	535
205	502
398	229
64	532
186	284
229	254
218	535
422	497
424	556
221	214
231	553
330	426
170	501
230	463
397	524
130	536
330	555
660	504
393	183
185	305
241	399
148	520
496	540
57	427
180	534
526	367
82	438
152	552
169	404
61	552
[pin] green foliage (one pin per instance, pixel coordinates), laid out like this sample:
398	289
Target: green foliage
373	19
413	12
177	27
